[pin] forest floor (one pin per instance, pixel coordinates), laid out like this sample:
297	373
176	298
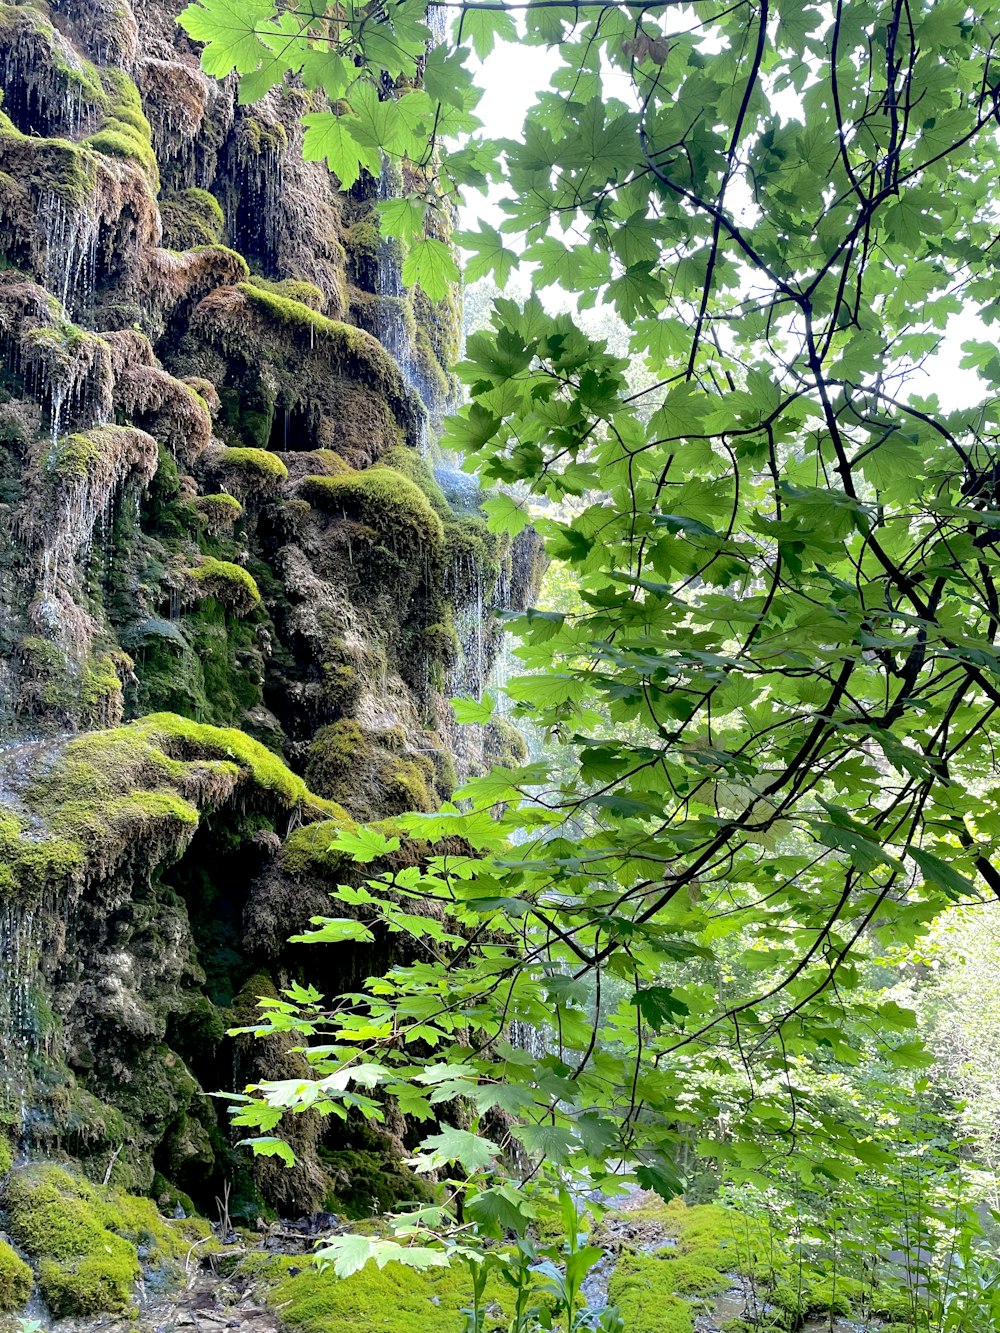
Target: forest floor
272	1288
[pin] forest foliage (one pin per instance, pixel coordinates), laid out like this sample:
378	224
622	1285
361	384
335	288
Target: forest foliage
773	688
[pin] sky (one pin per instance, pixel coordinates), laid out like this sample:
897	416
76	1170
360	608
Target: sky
511	77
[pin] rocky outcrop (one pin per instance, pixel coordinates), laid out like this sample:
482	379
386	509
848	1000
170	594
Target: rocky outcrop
236	590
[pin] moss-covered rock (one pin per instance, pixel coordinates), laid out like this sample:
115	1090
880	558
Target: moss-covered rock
218	512
309	849
385	501
250	472
190	218
389	1300
16	1279
369	772
232	585
87	1239
292	289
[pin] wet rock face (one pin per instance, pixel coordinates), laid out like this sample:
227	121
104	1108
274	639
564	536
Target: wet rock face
219	505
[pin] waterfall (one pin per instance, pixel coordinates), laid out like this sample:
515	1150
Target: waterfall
526	1037
18	1021
71	244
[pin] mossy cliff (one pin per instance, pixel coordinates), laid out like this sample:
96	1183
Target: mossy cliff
234	600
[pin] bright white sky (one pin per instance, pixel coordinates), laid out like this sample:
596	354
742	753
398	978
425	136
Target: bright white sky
512	75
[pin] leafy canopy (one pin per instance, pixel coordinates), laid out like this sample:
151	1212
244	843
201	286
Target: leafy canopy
775	688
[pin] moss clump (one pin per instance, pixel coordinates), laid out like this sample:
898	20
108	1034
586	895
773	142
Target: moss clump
15	1279
385	501
254	471
257	137
232	585
330	462
643	1292
191	218
218	512
352	352
293	289
342	686
366	772
84	1268
473	556
307	849
102	698
192	741
119	139
506	744
88	1239
441	322
133	794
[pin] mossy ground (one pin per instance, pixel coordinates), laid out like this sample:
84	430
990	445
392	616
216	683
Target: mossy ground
86	1241
391	1300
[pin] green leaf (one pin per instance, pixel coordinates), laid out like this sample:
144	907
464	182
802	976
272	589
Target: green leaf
455	1145
500	1209
430	264
659	1006
333	138
348	1254
231	30
270	1147
490	255
482	27
403	217
364	844
505	514
334	930
471	710
945	876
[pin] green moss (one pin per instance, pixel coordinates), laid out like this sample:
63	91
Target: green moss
184	739
363	237
369	1183
87	1240
472	554
391	1300
258	137
416	469
369	772
101	694
642	1290
232	585
293	289
441	322
15	1279
507	745
230	262
342	686
218	512
84	1268
386	501
191	218
331	463
134	792
431	376
260	469
352	351
307	849
6	1155
120	139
